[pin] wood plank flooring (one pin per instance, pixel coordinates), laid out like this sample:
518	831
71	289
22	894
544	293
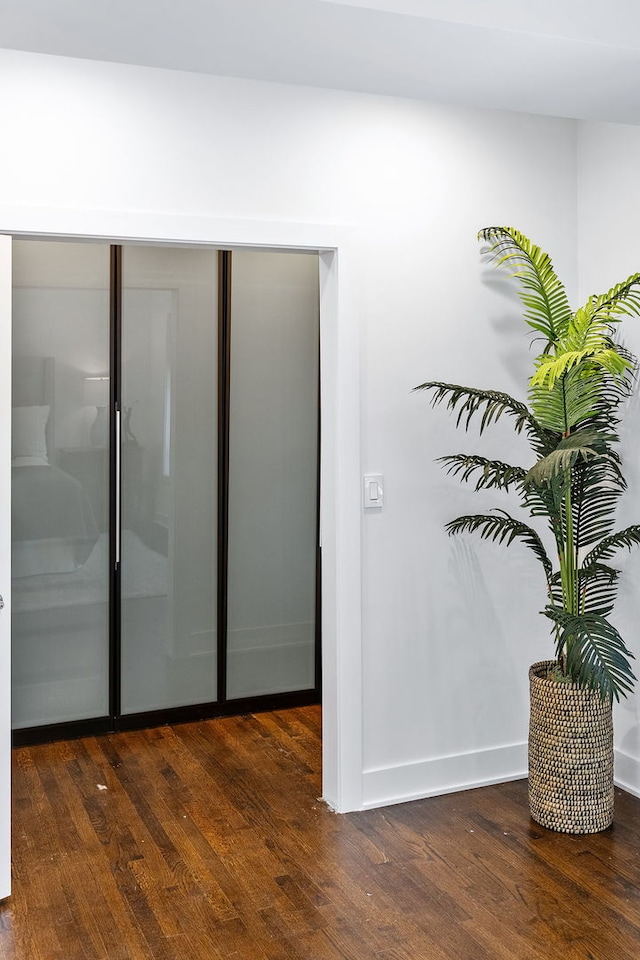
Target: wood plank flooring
206	841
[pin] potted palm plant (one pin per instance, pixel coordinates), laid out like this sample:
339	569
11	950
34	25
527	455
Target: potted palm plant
581	377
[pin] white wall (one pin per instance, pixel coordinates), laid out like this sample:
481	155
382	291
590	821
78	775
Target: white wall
609	251
448	627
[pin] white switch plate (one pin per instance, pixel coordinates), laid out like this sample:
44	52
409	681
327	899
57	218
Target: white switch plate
373	491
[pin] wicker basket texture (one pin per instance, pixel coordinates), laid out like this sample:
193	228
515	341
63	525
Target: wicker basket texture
570	755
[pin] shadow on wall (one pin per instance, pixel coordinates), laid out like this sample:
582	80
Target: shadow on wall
507	328
474	623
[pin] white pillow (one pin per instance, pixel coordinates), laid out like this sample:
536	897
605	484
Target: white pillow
28	438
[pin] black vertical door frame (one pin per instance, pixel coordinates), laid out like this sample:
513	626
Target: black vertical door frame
115	469
224	399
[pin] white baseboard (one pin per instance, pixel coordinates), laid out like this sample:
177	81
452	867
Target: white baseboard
385	786
627	772
429	778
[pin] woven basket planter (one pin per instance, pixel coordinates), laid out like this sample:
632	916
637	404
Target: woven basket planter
570	755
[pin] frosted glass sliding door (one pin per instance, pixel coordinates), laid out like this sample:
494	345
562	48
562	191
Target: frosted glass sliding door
131	595
273	466
169	478
60	482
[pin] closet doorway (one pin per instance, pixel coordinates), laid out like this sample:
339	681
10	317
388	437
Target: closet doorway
165	485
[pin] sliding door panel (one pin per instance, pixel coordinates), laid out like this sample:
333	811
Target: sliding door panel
273	465
169	467
60	482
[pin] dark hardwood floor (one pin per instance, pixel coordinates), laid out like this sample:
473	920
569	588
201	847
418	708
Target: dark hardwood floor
206	841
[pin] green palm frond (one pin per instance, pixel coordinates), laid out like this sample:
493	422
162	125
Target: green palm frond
572	400
595	490
628	355
545	299
588	330
502	528
491	404
487	473
593	652
584	444
583	393
545	500
587	362
609	546
622	300
594	516
597	588
603	413
555	589
585	375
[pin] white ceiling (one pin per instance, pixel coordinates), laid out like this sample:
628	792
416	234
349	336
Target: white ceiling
574	58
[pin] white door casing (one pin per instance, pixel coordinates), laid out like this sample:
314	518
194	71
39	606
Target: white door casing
5	566
340	460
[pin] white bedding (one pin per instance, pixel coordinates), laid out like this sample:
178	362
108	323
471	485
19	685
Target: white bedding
144	574
32	558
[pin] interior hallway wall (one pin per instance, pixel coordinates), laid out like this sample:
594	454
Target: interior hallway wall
449	627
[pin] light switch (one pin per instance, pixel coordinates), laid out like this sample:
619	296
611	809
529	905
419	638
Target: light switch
373	491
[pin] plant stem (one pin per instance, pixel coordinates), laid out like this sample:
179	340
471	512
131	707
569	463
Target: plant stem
569	563
569	560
